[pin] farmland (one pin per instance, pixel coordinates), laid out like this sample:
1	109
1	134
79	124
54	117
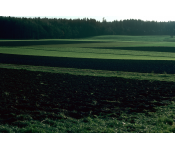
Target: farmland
96	84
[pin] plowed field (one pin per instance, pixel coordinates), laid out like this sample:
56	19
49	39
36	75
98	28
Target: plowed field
47	95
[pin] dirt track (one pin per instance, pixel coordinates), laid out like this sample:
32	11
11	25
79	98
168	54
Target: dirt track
44	95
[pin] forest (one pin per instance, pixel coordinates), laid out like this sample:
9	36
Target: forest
45	28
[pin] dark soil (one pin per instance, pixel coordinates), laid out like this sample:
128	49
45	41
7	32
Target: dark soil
46	95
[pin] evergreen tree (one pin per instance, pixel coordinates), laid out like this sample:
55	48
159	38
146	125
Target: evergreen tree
44	28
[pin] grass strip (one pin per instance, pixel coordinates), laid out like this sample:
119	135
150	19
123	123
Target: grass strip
103	73
163	121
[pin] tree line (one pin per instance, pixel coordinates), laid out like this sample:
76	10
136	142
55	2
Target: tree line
44	28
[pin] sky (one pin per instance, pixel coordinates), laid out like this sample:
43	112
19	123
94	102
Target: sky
111	18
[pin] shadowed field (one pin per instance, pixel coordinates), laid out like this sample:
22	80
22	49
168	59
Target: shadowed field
143	66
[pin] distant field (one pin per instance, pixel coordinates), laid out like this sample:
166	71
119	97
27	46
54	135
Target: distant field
101	47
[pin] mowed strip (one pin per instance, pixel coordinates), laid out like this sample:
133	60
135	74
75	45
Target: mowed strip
97	53
91	72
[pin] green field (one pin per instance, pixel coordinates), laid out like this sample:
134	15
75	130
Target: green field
89	50
100	47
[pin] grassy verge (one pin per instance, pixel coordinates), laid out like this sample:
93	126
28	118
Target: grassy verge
104	73
163	121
